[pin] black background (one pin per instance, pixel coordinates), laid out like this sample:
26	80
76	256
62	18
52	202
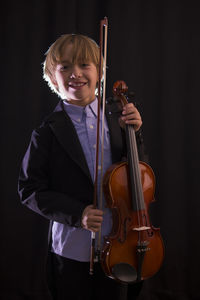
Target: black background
154	46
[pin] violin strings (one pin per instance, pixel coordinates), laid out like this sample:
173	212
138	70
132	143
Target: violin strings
136	173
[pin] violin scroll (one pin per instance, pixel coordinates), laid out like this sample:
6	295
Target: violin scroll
120	90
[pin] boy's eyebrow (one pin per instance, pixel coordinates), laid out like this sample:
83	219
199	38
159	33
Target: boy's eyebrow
64	62
68	62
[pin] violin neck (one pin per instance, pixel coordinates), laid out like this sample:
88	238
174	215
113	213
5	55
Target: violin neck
134	170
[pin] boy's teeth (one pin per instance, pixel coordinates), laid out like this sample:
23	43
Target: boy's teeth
76	84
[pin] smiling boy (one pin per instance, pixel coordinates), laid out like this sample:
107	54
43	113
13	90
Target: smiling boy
57	174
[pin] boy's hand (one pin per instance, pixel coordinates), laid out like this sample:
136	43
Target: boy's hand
130	115
92	218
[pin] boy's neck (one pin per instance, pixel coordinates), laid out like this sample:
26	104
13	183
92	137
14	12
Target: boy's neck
78	102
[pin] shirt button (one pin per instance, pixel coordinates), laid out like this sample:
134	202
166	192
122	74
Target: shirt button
94	146
78	120
91	126
99	167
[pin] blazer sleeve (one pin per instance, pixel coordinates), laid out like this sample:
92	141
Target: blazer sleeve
34	185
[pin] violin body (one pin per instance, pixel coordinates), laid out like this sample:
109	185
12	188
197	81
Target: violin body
132	252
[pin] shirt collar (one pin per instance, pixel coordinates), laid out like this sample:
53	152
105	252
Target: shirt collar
91	109
76	112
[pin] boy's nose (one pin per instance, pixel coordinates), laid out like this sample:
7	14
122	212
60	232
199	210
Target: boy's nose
76	72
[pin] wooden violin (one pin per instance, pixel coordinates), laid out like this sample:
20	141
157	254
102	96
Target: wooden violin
134	250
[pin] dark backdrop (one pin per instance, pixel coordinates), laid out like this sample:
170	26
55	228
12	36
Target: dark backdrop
154	46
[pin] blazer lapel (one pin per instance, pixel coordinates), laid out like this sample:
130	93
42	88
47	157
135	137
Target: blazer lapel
63	128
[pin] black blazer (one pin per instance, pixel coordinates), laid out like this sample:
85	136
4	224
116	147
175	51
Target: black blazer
54	179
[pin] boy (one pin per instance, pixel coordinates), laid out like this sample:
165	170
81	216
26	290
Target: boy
57	174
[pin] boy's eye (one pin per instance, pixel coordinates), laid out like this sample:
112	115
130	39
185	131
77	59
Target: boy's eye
62	68
85	65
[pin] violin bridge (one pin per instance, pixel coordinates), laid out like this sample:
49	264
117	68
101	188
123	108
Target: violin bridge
142	228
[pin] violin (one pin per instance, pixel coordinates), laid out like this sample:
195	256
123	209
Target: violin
134	250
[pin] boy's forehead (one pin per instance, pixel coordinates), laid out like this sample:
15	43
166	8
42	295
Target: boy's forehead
66	52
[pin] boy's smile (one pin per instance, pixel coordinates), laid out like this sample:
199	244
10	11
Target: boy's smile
75	81
76	85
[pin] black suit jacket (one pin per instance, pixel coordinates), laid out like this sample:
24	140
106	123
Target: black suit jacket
54	179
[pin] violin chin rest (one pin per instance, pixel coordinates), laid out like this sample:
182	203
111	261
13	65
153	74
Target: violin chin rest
124	273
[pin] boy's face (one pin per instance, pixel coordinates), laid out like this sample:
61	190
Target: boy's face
76	82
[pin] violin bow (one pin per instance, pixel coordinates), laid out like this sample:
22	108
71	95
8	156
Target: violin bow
102	62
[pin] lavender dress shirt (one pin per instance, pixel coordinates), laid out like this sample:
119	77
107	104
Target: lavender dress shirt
73	242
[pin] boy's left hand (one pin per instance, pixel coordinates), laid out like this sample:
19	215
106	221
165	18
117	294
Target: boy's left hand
130	115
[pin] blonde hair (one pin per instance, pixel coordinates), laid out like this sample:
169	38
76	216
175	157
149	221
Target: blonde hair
84	50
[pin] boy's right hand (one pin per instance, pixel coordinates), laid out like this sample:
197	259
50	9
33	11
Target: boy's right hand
92	218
